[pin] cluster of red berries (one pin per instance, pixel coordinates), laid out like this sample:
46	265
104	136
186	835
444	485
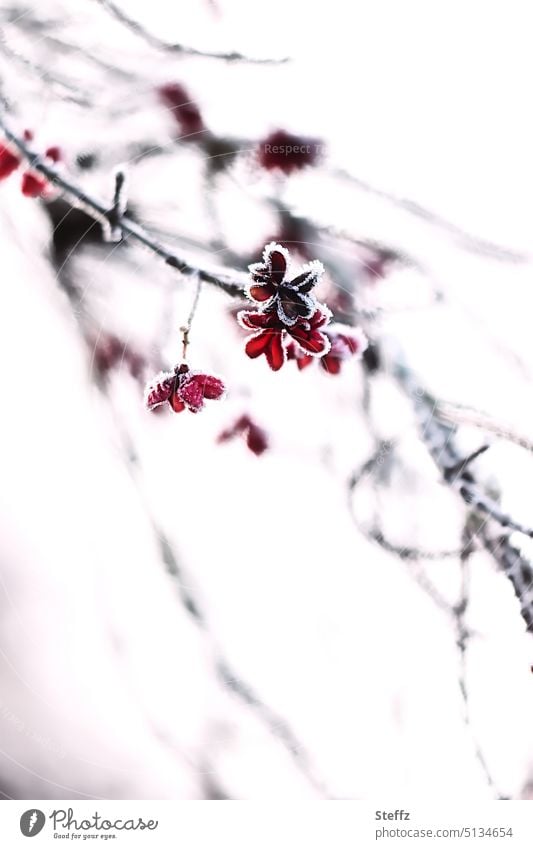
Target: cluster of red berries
288	322
32	184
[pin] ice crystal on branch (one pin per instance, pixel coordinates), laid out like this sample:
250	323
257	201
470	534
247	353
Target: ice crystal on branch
183	389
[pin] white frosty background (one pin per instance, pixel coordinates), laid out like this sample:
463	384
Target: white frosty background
108	684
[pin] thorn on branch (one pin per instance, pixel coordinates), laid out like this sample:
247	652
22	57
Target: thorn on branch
117	212
452	473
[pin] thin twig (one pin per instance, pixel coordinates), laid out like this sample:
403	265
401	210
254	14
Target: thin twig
186	329
439	440
172	47
463	636
471	243
460	414
70	91
118	209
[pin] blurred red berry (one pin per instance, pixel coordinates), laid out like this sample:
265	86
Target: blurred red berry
33	185
9	161
256	438
27	135
183	389
110	352
54	153
184	110
286	152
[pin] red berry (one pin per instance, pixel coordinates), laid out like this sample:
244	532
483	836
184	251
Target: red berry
283	151
183	389
9	161
33	186
54	153
184	110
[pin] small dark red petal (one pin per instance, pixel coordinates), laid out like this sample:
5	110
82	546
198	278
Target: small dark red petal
32	186
9	162
303	361
275	353
177	405
311	340
278	264
254	320
54	153
262	293
191	392
304	282
213	388
353	343
319	318
257	440
257	345
159	391
331	364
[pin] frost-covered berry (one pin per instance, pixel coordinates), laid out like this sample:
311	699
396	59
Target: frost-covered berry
183	389
286	152
33	185
184	110
9	161
270	287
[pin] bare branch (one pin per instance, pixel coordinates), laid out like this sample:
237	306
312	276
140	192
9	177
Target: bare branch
459	414
100	212
69	90
439	440
171	47
471	243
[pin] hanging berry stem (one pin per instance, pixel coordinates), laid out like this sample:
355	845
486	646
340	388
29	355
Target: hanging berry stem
186	329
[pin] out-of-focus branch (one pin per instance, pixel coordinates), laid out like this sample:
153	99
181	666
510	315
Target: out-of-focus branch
179	49
463	638
459	414
105	215
471	243
439	439
228	678
68	90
